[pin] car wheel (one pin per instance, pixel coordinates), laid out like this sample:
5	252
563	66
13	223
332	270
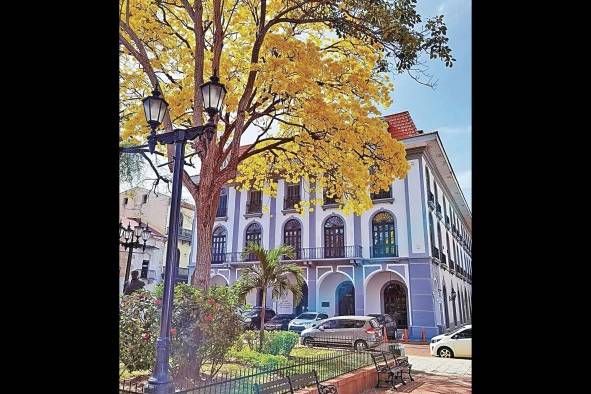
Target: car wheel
445	352
360	345
308	342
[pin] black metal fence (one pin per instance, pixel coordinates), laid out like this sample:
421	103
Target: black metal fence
329	365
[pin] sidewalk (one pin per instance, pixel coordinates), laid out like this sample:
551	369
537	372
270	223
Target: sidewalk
430	384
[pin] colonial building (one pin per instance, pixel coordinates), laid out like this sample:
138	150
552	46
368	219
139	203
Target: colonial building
140	204
409	255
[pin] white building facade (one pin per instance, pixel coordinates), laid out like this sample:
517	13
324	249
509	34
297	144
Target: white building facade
409	255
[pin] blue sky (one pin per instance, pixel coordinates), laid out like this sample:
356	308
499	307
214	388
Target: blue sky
448	107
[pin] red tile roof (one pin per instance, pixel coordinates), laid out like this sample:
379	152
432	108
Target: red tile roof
401	125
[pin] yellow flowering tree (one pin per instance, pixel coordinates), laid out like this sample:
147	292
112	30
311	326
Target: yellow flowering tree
307	76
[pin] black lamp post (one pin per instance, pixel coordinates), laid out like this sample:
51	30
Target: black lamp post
126	239
213	94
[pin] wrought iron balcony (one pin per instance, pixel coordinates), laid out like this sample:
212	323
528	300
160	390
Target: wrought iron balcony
382	194
221	258
431	200
182	274
254	207
435	252
345	252
185	235
383	251
290	202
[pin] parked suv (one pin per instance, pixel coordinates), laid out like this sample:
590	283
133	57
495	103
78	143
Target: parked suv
360	332
252	318
306	320
457	343
386	320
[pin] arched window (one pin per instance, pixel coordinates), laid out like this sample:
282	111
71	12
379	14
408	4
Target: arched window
292	235
253	235
384	241
334	237
218	252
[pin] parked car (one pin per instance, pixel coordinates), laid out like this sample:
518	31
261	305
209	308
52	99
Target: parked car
360	332
251	319
279	322
306	320
386	320
457	343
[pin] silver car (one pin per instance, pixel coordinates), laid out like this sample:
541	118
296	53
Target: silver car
360	332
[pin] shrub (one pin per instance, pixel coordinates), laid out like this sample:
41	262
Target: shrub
280	342
254	359
204	327
139	320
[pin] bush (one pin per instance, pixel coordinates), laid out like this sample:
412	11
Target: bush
280	342
139	320
254	359
204	327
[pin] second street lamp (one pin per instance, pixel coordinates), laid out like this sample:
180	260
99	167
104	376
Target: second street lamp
160	381
126	239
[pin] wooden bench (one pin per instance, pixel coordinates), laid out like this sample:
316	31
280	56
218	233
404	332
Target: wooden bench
294	382
278	386
399	361
307	379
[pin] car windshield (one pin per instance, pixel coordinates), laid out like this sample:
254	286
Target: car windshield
252	313
282	318
307	316
454	331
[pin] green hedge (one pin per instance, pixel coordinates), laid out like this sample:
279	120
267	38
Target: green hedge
280	343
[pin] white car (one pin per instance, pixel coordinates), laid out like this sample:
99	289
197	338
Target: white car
457	343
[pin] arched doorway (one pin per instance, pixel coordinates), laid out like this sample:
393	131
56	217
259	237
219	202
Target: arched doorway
218	252
345	297
302	306
395	303
218	280
292	235
445	308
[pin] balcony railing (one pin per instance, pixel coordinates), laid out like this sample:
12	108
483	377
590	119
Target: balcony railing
290	202
254	207
435	252
382	194
185	234
300	254
383	251
438	211
431	200
447	222
222	207
182	274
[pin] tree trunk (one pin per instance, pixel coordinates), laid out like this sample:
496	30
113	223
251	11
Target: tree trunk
262	325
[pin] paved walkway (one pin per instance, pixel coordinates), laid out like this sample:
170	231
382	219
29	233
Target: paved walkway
441	366
430	384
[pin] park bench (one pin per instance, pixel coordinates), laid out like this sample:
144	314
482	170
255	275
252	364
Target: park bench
307	379
400	361
389	367
294	382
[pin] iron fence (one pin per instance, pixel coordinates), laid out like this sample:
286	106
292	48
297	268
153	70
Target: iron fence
328	366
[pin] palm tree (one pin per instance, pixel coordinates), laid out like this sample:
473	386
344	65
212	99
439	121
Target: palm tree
270	272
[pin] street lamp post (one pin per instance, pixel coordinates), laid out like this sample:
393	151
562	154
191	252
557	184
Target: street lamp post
126	239
213	94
